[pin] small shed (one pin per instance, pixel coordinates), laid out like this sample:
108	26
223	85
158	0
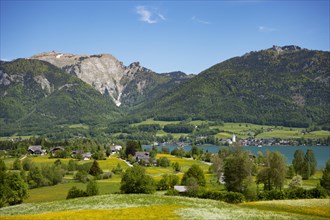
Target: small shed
180	189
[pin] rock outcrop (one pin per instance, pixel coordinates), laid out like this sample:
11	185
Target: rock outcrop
104	72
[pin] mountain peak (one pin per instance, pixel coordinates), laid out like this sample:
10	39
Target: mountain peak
280	49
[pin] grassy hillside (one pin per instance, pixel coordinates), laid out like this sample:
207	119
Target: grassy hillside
165	207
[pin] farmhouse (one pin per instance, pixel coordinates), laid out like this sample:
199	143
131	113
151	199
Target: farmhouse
86	156
55	150
75	153
36	150
142	156
116	148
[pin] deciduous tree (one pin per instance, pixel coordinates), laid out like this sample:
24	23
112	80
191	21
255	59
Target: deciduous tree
135	180
194	172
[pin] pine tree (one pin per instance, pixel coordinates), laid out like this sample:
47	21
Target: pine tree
298	162
310	159
325	180
95	169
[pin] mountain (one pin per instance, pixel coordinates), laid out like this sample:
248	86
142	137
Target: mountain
37	96
280	86
127	85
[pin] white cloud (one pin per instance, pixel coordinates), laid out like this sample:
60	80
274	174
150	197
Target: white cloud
146	15
161	16
266	29
199	20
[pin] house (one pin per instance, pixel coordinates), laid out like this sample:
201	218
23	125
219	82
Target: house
75	153
116	148
55	150
180	189
86	156
142	156
36	150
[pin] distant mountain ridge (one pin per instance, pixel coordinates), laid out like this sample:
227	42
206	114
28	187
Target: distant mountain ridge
127	85
281	86
285	85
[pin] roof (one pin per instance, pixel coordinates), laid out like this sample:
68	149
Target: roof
57	148
180	188
34	148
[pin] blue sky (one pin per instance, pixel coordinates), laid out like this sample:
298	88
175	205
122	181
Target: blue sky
164	36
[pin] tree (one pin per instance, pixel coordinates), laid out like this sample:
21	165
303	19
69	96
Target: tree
163	162
92	188
325	180
13	188
18	189
17	165
27	164
311	161
135	180
274	171
194	172
132	147
117	169
35	178
95	169
176	167
237	167
298	162
194	151
217	165
296	182
167	182
72	165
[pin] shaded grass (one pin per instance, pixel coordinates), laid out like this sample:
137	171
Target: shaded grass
309	207
60	191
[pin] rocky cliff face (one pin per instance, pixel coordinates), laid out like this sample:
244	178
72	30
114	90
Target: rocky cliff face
104	72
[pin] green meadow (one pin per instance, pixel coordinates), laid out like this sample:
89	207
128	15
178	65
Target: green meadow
244	130
118	206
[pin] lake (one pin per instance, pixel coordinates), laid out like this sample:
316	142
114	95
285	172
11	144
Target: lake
322	153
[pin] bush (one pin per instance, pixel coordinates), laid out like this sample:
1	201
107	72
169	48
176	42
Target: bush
234	197
163	162
317	193
172	192
82	176
92	188
274	194
117	169
74	192
213	195
106	175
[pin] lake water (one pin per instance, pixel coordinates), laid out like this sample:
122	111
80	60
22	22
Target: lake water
322	153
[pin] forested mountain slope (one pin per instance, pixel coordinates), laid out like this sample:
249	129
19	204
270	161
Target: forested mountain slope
36	96
280	86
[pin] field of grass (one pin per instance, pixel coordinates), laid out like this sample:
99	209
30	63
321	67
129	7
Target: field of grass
244	130
60	191
83	126
118	206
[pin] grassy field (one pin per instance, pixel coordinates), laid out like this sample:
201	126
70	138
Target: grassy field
83	126
309	207
117	206
244	130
